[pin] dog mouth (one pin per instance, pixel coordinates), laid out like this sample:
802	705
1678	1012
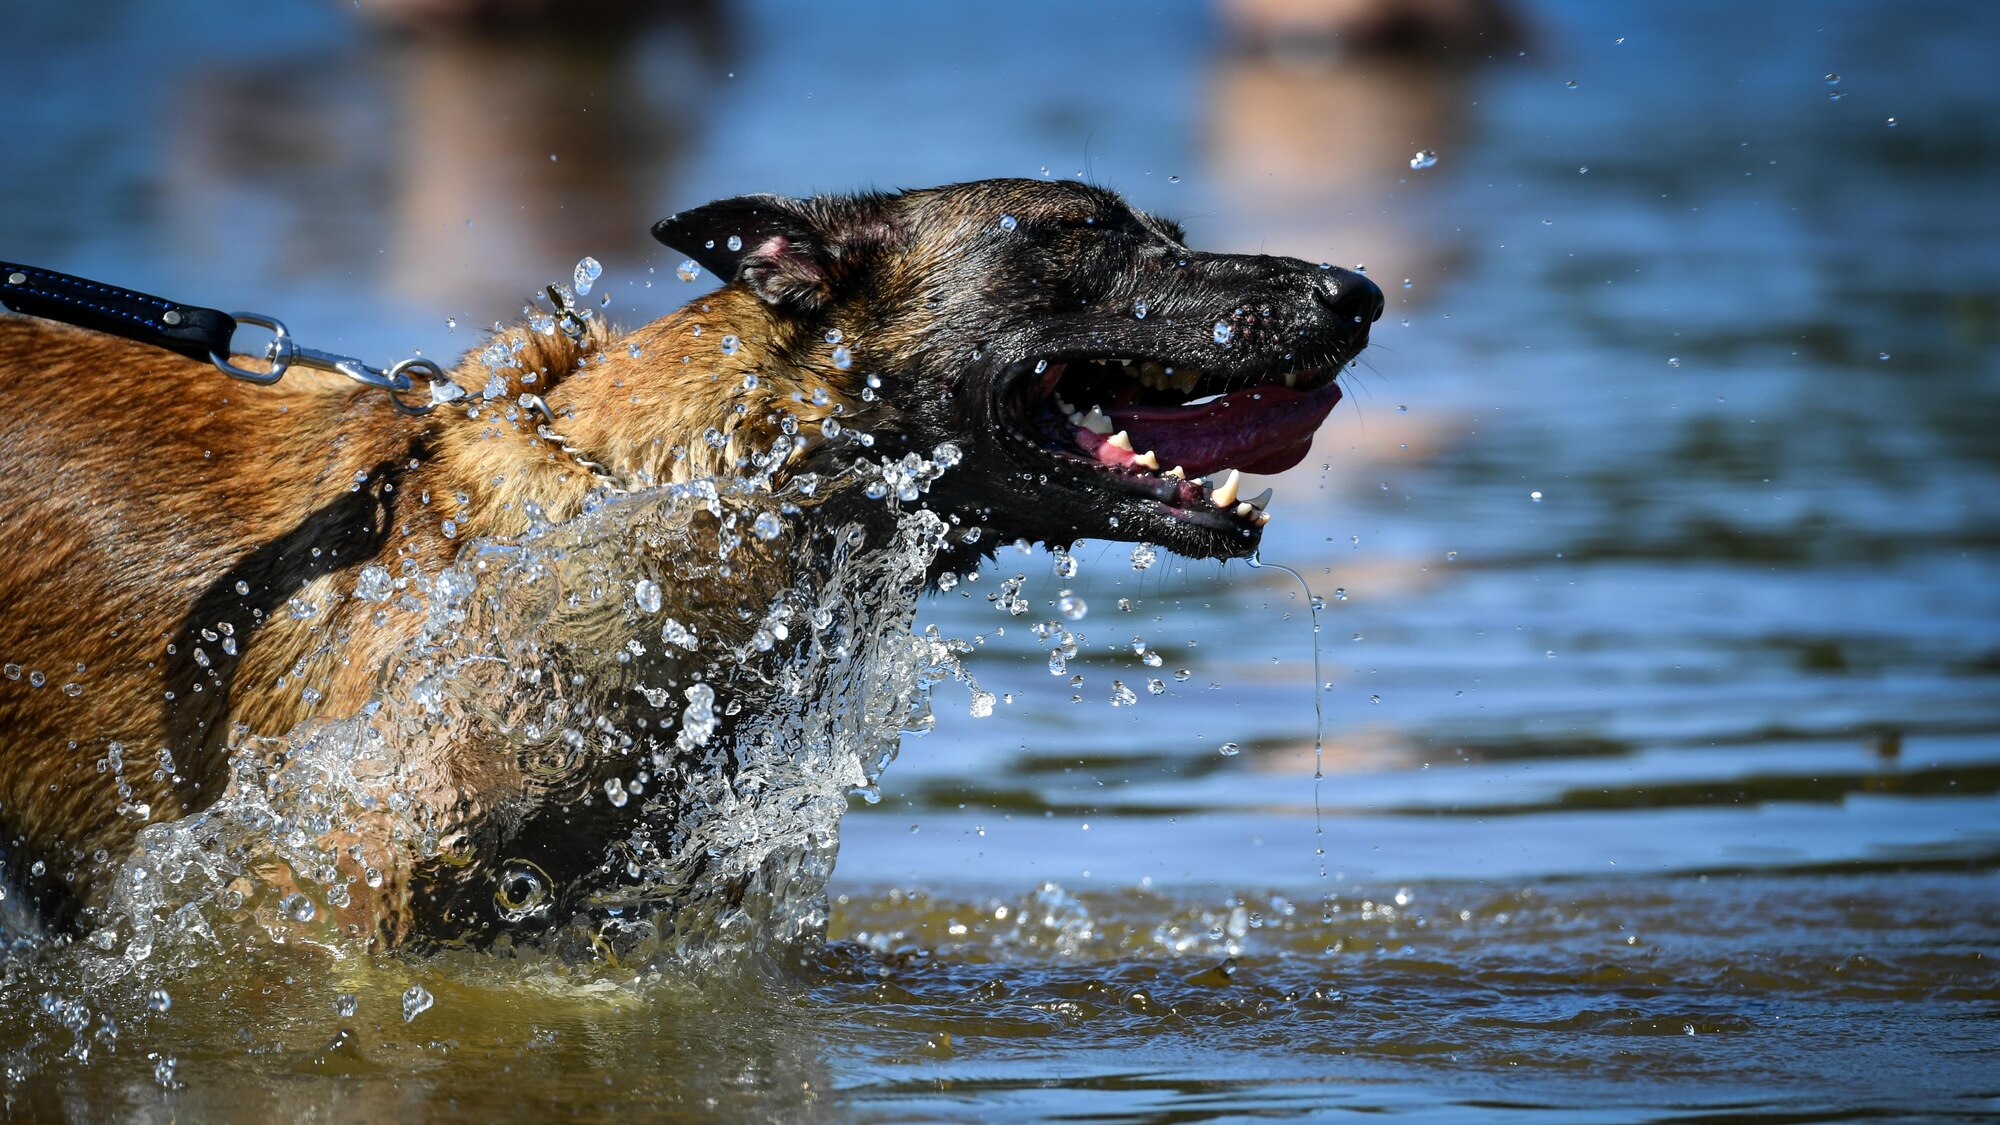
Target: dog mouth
1177	435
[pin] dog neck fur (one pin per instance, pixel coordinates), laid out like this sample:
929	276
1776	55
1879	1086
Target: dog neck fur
643	405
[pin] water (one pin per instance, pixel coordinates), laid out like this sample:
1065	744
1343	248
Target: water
1706	740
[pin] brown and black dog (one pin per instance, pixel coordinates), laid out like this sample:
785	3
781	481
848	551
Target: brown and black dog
181	554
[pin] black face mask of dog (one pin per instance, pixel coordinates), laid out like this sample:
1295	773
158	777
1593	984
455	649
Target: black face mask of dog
1092	369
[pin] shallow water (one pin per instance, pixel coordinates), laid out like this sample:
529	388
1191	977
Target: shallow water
1669	795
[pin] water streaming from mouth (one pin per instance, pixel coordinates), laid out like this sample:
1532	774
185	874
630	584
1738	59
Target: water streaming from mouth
1313	604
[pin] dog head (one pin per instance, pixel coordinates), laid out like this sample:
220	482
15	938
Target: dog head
1090	366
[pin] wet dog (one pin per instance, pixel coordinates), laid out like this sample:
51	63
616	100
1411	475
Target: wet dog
190	563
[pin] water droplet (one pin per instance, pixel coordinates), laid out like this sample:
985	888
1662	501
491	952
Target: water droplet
1122	696
647	593
72	689
1144	555
1892	123
1222	332
416	1001
688	269
735	242
1072	607
1673	361
1833	79
1583	169
1884	357
297	907
730	344
767	526
842	358
1228	749
1836	95
450	323
1570	85
982	704
159	1000
242	587
1139	309
1173	179
833	336
450	529
346	1004
586	274
1535	496
1007	222
614	791
374	584
1425	158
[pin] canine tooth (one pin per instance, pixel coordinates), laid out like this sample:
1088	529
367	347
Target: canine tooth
1096	422
1147	459
1226	495
1122	440
1244	509
1184	381
1177	473
1260	501
1261	518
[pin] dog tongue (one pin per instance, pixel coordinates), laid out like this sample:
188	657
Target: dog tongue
1259	430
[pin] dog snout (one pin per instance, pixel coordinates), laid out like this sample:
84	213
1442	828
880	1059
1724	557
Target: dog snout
1349	295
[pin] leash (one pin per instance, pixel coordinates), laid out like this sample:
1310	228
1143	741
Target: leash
208	334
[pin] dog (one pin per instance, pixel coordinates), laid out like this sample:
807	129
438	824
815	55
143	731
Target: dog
190	564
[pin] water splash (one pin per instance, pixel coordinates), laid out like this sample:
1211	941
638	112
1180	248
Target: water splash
719	755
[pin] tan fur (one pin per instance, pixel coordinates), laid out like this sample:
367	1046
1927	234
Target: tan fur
136	478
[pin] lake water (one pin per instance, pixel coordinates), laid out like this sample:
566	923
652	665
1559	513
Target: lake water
1658	541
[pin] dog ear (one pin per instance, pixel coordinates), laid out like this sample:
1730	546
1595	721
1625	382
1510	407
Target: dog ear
771	243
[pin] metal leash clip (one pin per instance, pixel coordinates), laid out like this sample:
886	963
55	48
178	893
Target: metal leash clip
283	353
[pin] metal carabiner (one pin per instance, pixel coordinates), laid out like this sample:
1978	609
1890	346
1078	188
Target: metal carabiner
283	353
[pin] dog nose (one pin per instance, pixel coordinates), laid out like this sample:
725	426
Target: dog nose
1349	295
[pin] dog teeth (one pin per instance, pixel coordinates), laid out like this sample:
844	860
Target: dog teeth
1226	495
1259	501
1176	472
1261	518
1148	460
1184	381
1244	509
1122	440
1097	422
1291	378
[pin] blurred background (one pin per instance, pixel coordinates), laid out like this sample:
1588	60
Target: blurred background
1657	536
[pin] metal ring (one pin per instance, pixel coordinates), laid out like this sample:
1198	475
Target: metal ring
278	352
442	389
